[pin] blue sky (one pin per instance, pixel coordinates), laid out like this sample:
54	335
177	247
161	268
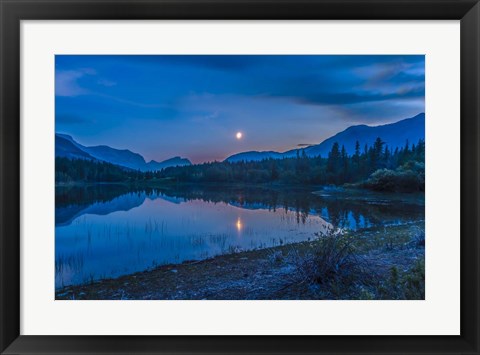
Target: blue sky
193	106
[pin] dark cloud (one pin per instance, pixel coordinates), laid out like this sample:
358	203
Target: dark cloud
219	62
70	119
350	98
272	62
359	61
344	83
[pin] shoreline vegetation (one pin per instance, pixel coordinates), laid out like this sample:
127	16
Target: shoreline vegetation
374	263
376	168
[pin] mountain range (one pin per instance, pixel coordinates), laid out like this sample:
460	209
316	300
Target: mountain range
66	146
394	135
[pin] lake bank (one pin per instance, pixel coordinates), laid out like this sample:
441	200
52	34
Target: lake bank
390	257
109	232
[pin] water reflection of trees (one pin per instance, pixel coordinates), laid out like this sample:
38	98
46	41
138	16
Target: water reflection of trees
341	209
88	194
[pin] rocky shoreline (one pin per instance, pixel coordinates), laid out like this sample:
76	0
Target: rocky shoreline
391	260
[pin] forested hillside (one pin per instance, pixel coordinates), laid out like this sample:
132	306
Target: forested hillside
375	167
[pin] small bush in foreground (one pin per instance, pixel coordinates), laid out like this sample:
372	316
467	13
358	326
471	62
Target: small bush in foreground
332	267
414	282
409	285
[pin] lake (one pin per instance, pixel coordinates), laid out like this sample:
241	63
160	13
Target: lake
105	231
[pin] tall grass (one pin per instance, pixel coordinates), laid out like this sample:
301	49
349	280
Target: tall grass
73	262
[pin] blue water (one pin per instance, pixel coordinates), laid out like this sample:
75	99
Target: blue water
100	235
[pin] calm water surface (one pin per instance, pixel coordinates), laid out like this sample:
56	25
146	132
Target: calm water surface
107	231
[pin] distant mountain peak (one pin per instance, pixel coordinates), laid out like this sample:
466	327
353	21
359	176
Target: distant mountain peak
66	136
66	146
393	134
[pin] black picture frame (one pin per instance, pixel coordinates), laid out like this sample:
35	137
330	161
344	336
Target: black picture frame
12	12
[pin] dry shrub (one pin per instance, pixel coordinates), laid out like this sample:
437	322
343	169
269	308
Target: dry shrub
333	262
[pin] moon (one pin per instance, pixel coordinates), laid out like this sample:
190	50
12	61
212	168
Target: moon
239	135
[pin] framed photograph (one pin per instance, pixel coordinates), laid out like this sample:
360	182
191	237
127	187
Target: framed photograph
239	177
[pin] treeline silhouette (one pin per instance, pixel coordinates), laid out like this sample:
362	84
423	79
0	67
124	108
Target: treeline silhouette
84	170
375	167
